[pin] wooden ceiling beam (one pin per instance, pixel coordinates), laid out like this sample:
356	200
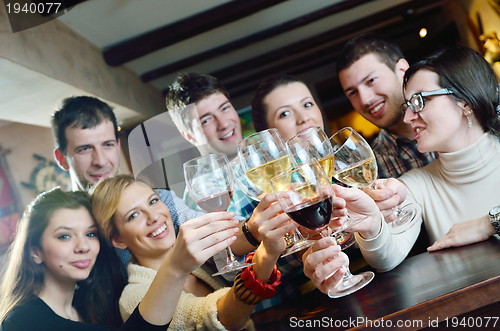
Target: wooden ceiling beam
252	39
173	33
316	41
326	55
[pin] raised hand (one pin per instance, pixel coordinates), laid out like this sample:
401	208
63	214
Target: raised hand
359	204
388	194
265	210
201	238
278	224
324	264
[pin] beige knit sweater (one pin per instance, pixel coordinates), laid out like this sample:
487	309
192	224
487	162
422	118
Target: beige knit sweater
191	313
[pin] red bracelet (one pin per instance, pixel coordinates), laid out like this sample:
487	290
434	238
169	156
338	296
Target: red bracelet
265	291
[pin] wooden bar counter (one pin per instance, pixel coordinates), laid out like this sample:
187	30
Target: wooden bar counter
458	288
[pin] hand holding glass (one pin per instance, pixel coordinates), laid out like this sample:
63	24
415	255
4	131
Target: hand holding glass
210	183
355	165
306	195
322	150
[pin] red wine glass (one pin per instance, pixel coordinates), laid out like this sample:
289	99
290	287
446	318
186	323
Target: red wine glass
306	194
209	180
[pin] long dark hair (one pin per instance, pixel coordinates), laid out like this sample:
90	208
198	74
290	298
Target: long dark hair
95	300
259	109
471	79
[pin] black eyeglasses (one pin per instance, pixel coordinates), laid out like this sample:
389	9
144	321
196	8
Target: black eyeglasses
416	102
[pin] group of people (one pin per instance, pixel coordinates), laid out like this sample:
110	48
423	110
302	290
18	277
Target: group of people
438	146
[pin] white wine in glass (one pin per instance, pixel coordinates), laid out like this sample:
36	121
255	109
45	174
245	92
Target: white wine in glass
355	165
264	155
320	143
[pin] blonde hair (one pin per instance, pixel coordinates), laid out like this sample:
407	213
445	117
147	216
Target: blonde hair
105	197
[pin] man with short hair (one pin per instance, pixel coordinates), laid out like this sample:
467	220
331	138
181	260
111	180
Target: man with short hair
213	126
371	72
86	139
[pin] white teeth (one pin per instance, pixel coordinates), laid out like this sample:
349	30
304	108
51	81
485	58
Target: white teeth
160	230
376	109
228	135
417	130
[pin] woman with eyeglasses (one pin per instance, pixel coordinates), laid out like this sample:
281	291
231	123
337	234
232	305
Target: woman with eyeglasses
453	107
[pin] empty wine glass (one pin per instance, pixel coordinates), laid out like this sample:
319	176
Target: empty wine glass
210	183
323	151
306	194
262	156
355	165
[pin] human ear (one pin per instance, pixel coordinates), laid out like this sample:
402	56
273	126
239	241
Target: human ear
61	159
401	66
36	254
116	241
188	137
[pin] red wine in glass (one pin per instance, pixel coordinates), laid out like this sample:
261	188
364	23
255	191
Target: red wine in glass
314	214
216	202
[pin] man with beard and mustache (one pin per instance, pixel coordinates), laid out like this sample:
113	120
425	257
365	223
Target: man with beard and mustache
371	72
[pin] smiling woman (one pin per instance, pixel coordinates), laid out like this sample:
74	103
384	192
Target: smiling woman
133	217
284	102
454	109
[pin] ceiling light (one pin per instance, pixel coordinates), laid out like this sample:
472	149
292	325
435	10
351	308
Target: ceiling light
422	33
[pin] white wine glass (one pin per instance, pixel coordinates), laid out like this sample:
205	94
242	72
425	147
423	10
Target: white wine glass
263	155
306	194
209	180
318	141
355	165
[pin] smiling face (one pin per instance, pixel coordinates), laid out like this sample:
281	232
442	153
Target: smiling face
291	109
69	246
91	154
219	120
375	91
441	126
144	224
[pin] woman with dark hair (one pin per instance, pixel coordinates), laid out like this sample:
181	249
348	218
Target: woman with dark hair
453	107
62	276
284	102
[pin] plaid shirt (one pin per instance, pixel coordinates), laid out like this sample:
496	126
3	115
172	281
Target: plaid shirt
396	155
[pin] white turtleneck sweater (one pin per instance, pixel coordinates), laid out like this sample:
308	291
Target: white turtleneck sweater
457	187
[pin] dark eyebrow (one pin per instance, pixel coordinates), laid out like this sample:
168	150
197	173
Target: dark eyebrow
223	104
82	146
205	115
364	79
68	228
210	113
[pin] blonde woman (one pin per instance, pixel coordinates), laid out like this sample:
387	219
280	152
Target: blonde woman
132	216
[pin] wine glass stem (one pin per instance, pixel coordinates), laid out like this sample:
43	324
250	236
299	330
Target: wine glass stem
230	255
398	212
297	235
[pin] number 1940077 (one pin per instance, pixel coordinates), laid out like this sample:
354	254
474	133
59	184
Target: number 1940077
33	8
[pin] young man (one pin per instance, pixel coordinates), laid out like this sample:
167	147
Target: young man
87	145
371	72
213	126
